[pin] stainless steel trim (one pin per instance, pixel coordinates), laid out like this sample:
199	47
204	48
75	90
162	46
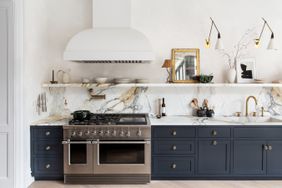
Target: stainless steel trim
98	153
125	142
76	142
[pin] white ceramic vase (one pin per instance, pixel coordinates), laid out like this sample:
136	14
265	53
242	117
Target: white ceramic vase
231	75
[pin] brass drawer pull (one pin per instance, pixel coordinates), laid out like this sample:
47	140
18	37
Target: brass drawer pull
214	142
174	148
174	133
269	148
173	166
48	148
265	147
47	133
47	166
214	133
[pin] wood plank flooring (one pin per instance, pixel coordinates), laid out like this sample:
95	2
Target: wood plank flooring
169	184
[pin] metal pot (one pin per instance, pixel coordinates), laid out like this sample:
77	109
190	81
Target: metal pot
81	115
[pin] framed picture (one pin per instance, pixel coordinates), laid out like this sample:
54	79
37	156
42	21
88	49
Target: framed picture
246	70
185	65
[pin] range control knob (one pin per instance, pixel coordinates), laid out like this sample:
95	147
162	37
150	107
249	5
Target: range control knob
128	134
80	133
87	133
114	133
108	133
101	133
73	134
121	134
139	132
94	133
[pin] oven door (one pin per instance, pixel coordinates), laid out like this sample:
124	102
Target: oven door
78	157
122	157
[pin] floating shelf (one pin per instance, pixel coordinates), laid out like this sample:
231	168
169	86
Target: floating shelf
80	85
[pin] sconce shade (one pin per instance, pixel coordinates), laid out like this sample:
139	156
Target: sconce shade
219	45
271	44
167	64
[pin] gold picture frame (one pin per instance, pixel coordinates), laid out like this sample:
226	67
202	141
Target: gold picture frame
185	64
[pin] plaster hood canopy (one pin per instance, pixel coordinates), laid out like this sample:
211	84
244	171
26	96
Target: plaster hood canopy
111	40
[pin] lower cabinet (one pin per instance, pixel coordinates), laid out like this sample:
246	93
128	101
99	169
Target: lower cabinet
214	157
176	166
217	152
46	152
249	158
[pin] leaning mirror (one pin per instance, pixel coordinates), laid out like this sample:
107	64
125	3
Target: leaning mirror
185	65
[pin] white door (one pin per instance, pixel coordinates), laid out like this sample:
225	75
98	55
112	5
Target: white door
6	95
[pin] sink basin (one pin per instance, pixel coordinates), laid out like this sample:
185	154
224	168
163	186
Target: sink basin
248	120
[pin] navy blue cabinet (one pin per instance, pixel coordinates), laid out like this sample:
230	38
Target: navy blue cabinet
46	152
216	152
214	157
249	157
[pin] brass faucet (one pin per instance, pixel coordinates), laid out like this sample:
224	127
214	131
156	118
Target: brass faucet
247	103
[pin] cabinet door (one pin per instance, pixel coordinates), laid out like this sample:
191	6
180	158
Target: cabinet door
249	158
214	157
274	157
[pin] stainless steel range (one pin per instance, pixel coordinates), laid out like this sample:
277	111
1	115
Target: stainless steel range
108	149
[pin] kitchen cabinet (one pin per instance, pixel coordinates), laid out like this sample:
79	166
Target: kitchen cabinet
213	157
249	157
216	152
46	152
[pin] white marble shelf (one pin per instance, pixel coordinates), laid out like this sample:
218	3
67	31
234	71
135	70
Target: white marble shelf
80	85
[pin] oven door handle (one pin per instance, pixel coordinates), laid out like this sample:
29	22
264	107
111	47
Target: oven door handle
76	142
125	142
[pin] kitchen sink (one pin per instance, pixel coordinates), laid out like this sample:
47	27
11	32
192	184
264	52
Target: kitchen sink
248	120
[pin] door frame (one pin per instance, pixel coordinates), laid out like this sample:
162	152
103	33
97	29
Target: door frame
20	157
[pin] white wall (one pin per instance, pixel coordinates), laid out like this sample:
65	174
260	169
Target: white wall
49	24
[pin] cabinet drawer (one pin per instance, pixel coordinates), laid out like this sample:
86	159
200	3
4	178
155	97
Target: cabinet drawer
173	166
48	166
258	132
174	147
46	147
214	132
47	132
174	132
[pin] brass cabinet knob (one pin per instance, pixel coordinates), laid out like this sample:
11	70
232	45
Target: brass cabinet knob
173	166
174	148
47	133
174	133
214	133
48	148
265	147
214	142
269	148
47	166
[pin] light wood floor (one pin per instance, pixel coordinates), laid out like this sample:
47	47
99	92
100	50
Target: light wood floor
169	184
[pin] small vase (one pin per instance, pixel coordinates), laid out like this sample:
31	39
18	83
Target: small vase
231	75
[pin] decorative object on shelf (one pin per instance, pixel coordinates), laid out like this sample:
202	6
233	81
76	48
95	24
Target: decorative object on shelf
168	64
218	45
53	78
63	76
122	80
141	81
240	50
85	80
246	72
231	75
101	80
271	44
203	78
185	65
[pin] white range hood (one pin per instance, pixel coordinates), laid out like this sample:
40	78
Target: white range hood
111	40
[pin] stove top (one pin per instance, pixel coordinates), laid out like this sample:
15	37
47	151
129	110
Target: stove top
113	119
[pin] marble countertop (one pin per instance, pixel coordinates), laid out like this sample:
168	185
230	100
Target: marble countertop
181	120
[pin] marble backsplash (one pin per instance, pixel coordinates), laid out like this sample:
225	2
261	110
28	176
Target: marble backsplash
224	100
